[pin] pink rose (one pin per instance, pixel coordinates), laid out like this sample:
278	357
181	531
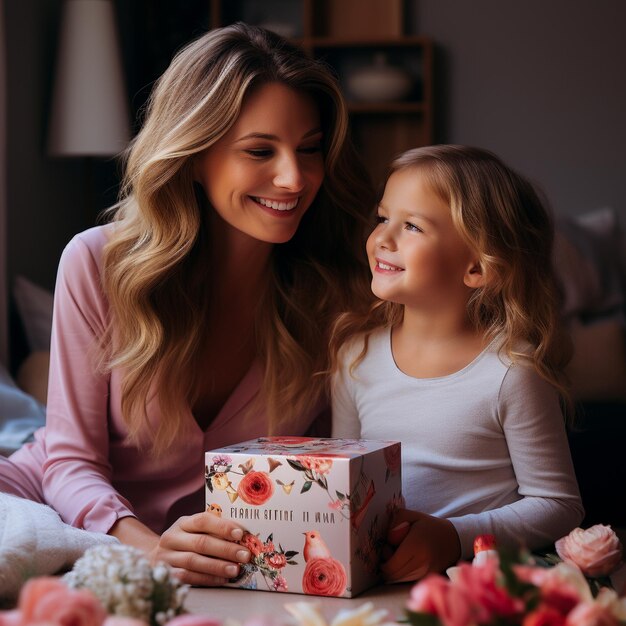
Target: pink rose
561	587
320	463
597	550
591	614
49	600
324	576
280	584
544	616
253	543
489	599
437	596
276	560
256	488
193	620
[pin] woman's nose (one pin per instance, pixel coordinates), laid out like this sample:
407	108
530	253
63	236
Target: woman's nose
289	174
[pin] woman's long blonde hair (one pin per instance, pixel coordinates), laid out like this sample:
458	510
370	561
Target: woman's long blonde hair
501	216
155	271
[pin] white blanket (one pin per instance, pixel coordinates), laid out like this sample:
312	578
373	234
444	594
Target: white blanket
34	541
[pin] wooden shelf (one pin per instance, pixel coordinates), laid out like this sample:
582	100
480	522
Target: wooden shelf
380	129
386	107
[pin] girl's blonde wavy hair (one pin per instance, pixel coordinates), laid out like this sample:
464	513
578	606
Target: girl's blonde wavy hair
155	269
501	216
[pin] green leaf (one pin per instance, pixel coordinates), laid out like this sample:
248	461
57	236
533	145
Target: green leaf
292	562
296	465
209	484
270	537
423	619
306	486
290	553
340	495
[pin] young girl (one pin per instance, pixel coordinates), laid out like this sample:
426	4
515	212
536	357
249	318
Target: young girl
198	316
461	360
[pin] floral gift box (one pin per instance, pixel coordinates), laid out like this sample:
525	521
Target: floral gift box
316	511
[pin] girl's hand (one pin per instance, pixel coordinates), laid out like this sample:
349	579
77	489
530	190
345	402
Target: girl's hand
200	548
424	543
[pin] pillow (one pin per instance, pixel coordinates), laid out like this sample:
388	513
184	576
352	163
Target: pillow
20	415
34	305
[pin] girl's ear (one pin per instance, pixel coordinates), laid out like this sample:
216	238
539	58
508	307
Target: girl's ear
474	276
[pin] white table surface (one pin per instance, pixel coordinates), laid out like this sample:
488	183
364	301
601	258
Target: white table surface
241	604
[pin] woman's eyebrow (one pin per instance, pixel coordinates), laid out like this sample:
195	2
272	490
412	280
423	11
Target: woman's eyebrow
269	137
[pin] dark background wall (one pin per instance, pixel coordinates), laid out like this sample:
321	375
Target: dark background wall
541	83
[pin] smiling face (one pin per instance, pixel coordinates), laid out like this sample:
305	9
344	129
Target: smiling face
416	255
264	173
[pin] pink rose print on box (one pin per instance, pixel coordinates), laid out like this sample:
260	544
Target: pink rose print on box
323	575
315	468
255	487
268	560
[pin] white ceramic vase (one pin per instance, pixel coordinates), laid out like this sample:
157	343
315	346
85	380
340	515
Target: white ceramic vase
379	82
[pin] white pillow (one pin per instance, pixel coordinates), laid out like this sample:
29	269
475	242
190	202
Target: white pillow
34	305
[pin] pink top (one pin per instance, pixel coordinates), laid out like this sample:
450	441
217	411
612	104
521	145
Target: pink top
90	475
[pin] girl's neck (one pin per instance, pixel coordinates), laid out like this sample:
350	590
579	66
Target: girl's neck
431	346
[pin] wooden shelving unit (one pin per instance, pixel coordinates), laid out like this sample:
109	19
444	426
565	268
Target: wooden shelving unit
347	34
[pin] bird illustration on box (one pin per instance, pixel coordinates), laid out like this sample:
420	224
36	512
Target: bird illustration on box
314	546
216	509
323	574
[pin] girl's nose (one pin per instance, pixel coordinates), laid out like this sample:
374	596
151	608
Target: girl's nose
289	173
384	237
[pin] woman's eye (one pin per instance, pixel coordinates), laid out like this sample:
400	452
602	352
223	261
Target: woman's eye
259	153
413	228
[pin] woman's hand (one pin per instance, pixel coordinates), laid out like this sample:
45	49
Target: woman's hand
200	548
423	544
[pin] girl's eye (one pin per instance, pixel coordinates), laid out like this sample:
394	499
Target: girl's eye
259	153
413	228
381	219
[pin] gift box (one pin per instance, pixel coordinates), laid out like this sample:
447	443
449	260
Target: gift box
316	511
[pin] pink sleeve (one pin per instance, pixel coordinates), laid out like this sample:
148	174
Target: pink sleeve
77	471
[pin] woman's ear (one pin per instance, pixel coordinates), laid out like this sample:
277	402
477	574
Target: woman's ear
475	275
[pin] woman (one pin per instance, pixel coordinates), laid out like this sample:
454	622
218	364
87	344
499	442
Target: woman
199	316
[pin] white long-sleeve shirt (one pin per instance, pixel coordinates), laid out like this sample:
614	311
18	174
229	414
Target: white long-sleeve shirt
484	447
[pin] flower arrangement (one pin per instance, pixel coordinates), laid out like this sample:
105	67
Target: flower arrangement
503	588
266	559
497	589
125	583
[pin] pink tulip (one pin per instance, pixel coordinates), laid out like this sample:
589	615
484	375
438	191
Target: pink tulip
48	600
597	550
489	598
435	595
